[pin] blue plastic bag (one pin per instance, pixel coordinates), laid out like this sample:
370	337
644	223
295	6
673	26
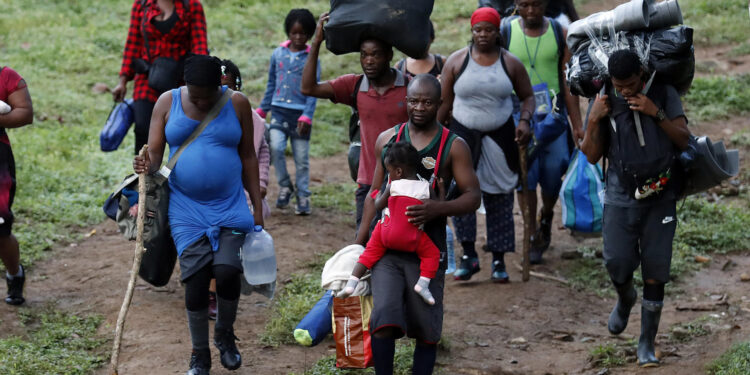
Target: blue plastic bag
581	195
317	324
118	123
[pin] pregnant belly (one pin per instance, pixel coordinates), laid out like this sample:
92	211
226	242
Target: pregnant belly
209	175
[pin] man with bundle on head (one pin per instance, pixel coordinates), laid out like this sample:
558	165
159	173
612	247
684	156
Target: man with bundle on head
443	156
378	95
643	183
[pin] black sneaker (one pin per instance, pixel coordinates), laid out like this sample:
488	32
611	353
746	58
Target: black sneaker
469	266
499	274
15	289
230	356
200	362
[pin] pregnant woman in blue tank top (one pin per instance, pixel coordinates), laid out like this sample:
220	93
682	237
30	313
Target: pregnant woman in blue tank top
208	212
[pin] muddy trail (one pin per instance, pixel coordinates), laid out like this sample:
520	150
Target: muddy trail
538	327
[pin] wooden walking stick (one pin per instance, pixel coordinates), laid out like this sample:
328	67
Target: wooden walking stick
139	250
525	213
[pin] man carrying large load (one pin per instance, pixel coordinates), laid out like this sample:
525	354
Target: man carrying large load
378	96
643	184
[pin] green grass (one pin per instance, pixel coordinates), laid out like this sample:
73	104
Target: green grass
715	98
716	22
741	138
57	343
293	302
740	50
338	197
611	354
684	332
704	228
735	361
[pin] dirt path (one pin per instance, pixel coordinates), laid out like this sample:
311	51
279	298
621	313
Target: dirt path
483	321
559	324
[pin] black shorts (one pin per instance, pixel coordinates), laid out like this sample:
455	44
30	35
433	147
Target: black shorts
636	236
7	188
200	253
396	304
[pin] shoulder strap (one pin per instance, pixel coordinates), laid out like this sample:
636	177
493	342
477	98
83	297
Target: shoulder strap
557	30
199	129
438	62
443	139
355	93
143	28
463	65
400	131
505	28
402	65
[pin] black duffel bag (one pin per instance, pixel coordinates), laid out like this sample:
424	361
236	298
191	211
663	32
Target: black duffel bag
404	24
672	57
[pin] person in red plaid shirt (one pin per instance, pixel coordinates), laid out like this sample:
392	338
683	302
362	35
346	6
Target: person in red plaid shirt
173	28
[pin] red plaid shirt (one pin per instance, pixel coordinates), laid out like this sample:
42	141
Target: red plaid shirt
187	35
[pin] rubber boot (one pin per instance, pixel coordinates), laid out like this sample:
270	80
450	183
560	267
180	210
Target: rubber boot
618	318
650	315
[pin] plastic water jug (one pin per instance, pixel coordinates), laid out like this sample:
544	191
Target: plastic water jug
451	255
258	257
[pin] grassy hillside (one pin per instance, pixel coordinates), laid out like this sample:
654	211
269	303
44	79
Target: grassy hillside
62	48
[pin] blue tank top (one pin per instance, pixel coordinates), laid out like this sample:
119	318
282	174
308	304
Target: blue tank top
206	191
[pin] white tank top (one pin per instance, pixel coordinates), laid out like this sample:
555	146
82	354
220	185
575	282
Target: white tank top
482	96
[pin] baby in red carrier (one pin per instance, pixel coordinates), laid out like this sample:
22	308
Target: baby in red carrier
394	231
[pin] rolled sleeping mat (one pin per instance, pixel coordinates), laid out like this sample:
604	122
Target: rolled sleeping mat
713	164
317	324
633	15
667	13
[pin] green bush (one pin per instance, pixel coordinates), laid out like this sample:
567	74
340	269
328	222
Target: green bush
736	361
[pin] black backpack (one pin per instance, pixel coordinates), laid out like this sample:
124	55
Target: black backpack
637	166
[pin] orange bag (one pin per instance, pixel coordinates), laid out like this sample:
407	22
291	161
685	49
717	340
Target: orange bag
351	330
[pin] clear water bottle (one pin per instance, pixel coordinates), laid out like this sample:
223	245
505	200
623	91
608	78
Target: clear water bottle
258	257
451	255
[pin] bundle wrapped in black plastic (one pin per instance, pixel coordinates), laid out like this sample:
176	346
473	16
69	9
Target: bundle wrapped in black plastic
672	57
668	52
404	24
584	79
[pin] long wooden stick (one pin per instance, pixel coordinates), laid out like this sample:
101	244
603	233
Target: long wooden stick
139	250
525	213
542	275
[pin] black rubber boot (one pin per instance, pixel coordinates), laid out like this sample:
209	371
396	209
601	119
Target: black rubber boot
228	353
618	318
15	289
650	315
200	362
